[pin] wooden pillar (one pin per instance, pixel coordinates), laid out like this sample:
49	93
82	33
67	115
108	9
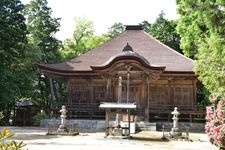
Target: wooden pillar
195	92
115	91
171	92
190	117
170	98
107	122
128	122
69	91
91	88
92	102
147	117
108	88
53	98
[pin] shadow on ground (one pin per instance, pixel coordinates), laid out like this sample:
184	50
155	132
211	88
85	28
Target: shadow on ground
29	133
148	139
28	137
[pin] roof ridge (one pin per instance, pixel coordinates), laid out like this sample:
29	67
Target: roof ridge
98	47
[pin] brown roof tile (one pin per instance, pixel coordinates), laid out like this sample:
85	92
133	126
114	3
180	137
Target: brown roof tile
152	50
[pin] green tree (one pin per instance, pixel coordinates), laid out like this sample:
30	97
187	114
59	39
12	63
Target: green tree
14	73
115	29
42	28
210	64
83	39
84	29
164	30
191	26
146	26
201	27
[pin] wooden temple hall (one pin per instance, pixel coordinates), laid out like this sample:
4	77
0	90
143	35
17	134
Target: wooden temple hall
156	77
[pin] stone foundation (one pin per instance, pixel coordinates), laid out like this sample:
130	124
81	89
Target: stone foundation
94	125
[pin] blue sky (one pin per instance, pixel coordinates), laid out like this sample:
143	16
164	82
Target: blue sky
104	13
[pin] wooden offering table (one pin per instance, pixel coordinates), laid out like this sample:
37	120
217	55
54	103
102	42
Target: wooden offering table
119	110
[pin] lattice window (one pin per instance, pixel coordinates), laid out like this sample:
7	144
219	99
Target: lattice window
182	95
80	93
134	93
158	95
99	93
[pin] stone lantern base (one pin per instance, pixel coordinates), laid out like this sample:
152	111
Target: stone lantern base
65	130
176	132
62	129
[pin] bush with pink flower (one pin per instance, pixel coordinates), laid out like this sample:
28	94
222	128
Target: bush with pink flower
215	123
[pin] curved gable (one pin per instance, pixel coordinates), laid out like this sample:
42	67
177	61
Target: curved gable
127	57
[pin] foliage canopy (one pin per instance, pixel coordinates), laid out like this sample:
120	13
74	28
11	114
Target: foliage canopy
201	26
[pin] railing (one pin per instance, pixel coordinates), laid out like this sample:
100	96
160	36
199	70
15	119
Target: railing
187	112
181	108
81	110
91	110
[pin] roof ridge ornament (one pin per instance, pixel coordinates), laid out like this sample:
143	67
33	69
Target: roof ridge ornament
134	27
127	48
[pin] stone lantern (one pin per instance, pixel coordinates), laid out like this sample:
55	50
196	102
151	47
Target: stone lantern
175	129
62	126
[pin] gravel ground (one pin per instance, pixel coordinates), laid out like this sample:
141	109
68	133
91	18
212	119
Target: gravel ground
36	139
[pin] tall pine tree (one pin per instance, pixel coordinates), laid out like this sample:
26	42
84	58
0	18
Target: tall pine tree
13	77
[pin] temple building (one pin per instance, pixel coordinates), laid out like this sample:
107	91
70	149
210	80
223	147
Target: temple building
154	76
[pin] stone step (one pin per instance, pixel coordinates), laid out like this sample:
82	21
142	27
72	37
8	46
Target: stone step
146	126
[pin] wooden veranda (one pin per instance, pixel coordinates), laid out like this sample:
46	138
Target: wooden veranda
156	113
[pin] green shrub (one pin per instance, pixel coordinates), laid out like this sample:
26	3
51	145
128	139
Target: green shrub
37	118
7	144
